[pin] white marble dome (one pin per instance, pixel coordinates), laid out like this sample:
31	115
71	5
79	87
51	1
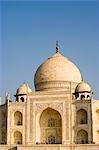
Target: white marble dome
56	69
83	87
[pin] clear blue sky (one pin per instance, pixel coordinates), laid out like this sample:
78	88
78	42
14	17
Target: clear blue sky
29	30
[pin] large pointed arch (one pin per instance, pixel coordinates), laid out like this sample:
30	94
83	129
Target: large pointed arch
50	126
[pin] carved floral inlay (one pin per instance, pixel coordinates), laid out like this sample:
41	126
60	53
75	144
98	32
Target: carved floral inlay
41	106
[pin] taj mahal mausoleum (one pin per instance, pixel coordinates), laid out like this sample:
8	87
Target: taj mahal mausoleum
61	114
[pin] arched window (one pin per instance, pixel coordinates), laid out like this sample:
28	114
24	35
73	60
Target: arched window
51	122
54	122
50	126
22	99
18	118
88	96
82	137
17	137
81	116
51	139
82	97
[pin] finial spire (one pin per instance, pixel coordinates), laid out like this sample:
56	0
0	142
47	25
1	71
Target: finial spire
82	79
57	47
7	96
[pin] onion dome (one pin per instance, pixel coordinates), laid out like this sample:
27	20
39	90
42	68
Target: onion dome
55	72
83	87
23	89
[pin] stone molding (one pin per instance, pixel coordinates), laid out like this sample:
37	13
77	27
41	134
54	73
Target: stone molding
56	105
53	85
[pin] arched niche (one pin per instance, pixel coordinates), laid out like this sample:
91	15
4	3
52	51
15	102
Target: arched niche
22	99
50	127
97	115
82	96
82	137
81	116
97	133
17	137
18	118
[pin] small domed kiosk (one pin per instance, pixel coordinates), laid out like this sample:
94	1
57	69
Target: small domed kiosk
83	91
22	92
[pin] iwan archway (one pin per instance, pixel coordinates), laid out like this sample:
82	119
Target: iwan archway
50	127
